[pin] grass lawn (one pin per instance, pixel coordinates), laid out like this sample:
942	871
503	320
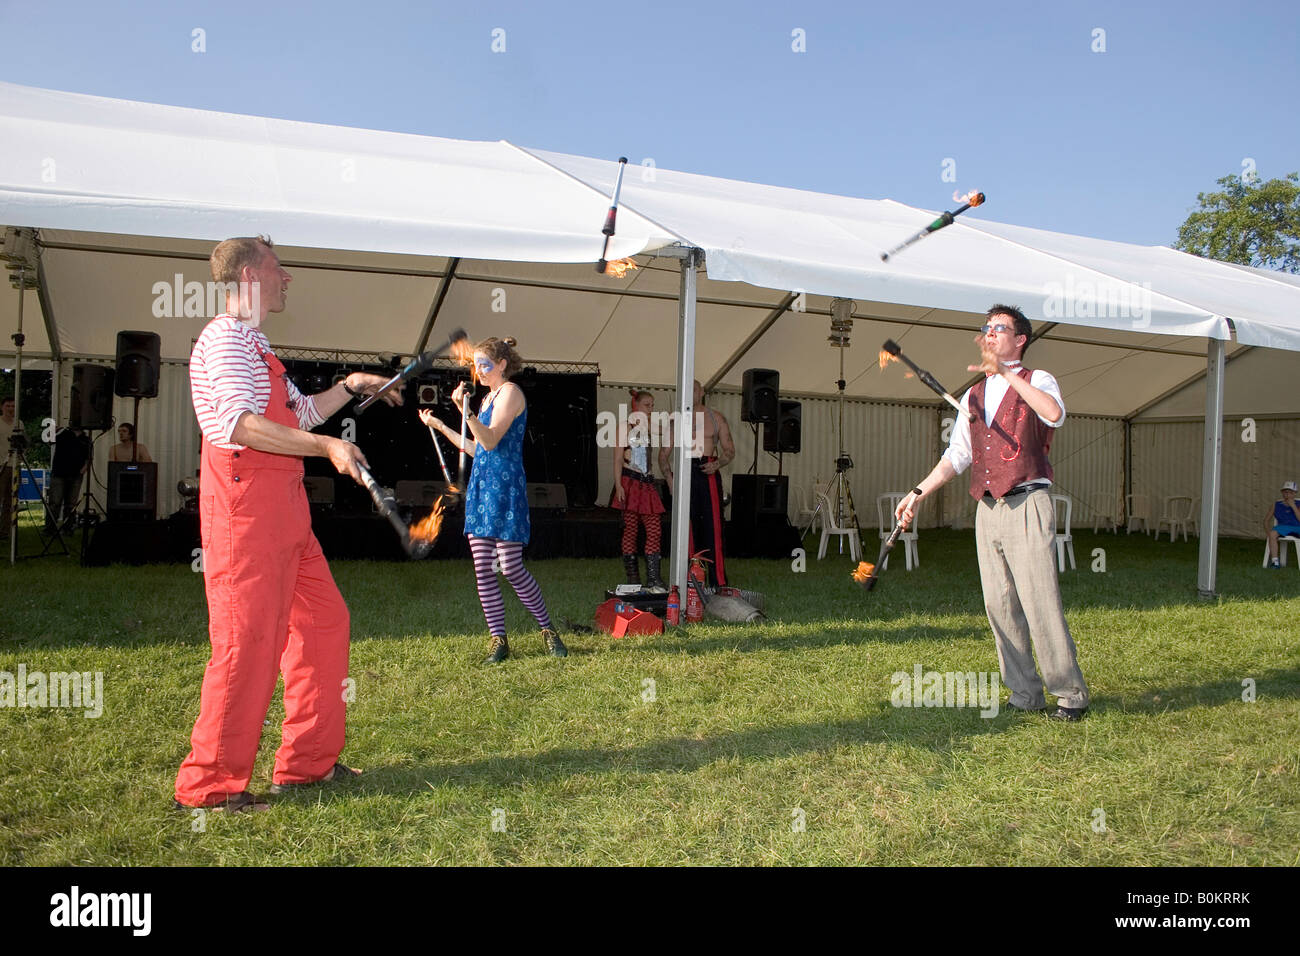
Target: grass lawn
752	730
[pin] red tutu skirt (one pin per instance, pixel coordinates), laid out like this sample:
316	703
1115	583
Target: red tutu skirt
641	497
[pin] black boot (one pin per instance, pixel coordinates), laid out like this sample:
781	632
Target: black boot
554	645
633	569
498	651
653	581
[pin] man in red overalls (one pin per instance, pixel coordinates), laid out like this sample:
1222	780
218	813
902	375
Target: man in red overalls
273	606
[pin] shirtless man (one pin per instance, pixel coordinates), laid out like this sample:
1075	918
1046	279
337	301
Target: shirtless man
711	449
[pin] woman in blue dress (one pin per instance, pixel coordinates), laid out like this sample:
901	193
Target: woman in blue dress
496	499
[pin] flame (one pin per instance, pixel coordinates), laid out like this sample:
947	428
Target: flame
974	197
463	353
863	571
619	267
886	358
909	375
427	529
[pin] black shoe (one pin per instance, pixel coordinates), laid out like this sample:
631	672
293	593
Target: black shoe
633	569
1070	714
498	651
554	645
340	771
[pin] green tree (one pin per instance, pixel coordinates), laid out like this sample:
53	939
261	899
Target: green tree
1251	223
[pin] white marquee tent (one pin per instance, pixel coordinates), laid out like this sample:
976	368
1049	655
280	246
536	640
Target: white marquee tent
393	238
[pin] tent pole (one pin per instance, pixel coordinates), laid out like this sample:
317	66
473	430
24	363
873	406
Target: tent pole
436	306
1126	479
683	434
1211	470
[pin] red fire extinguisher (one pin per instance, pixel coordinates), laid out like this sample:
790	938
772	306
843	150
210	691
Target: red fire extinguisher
694	606
674	615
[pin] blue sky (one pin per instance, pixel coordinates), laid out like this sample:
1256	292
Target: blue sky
1113	144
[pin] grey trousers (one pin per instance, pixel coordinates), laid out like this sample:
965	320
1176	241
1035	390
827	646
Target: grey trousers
1016	542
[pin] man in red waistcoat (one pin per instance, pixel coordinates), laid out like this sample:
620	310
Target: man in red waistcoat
1016	412
273	606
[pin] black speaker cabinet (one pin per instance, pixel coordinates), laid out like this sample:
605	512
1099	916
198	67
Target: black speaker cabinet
320	491
92	398
759	527
420	494
759	401
753	495
138	364
786	434
132	490
547	495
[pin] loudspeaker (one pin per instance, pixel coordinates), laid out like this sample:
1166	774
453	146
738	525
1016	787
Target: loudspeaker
547	495
320	490
785	435
767	536
759	401
420	494
92	398
753	495
132	490
138	364
759	527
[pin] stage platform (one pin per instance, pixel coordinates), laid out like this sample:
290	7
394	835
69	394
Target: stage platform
556	533
572	533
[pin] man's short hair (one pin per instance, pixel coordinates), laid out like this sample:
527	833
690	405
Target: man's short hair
231	255
1023	325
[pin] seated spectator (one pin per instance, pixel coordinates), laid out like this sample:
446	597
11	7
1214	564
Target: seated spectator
1286	521
122	450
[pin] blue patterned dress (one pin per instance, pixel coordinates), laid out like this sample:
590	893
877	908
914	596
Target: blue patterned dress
496	501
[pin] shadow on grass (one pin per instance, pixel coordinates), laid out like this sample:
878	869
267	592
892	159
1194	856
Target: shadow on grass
939	729
742	639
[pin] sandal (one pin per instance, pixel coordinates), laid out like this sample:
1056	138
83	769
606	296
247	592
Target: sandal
340	771
234	803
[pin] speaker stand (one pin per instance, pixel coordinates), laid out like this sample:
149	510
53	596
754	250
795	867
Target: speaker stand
18	463
135	430
88	518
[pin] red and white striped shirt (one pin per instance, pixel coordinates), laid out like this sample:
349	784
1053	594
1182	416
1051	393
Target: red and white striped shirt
228	377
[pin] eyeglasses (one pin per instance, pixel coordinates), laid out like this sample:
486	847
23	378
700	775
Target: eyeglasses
986	329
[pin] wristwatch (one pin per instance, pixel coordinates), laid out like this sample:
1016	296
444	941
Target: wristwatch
347	388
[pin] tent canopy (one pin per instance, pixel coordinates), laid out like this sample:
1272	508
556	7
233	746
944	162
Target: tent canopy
373	225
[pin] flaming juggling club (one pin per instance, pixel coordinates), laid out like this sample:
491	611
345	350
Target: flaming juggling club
611	216
441	460
970	200
416	542
891	347
417	366
453	490
867	573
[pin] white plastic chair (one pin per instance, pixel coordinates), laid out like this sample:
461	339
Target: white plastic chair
886	505
830	528
1063	511
1178	513
1281	551
1103	511
808	518
1139	509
